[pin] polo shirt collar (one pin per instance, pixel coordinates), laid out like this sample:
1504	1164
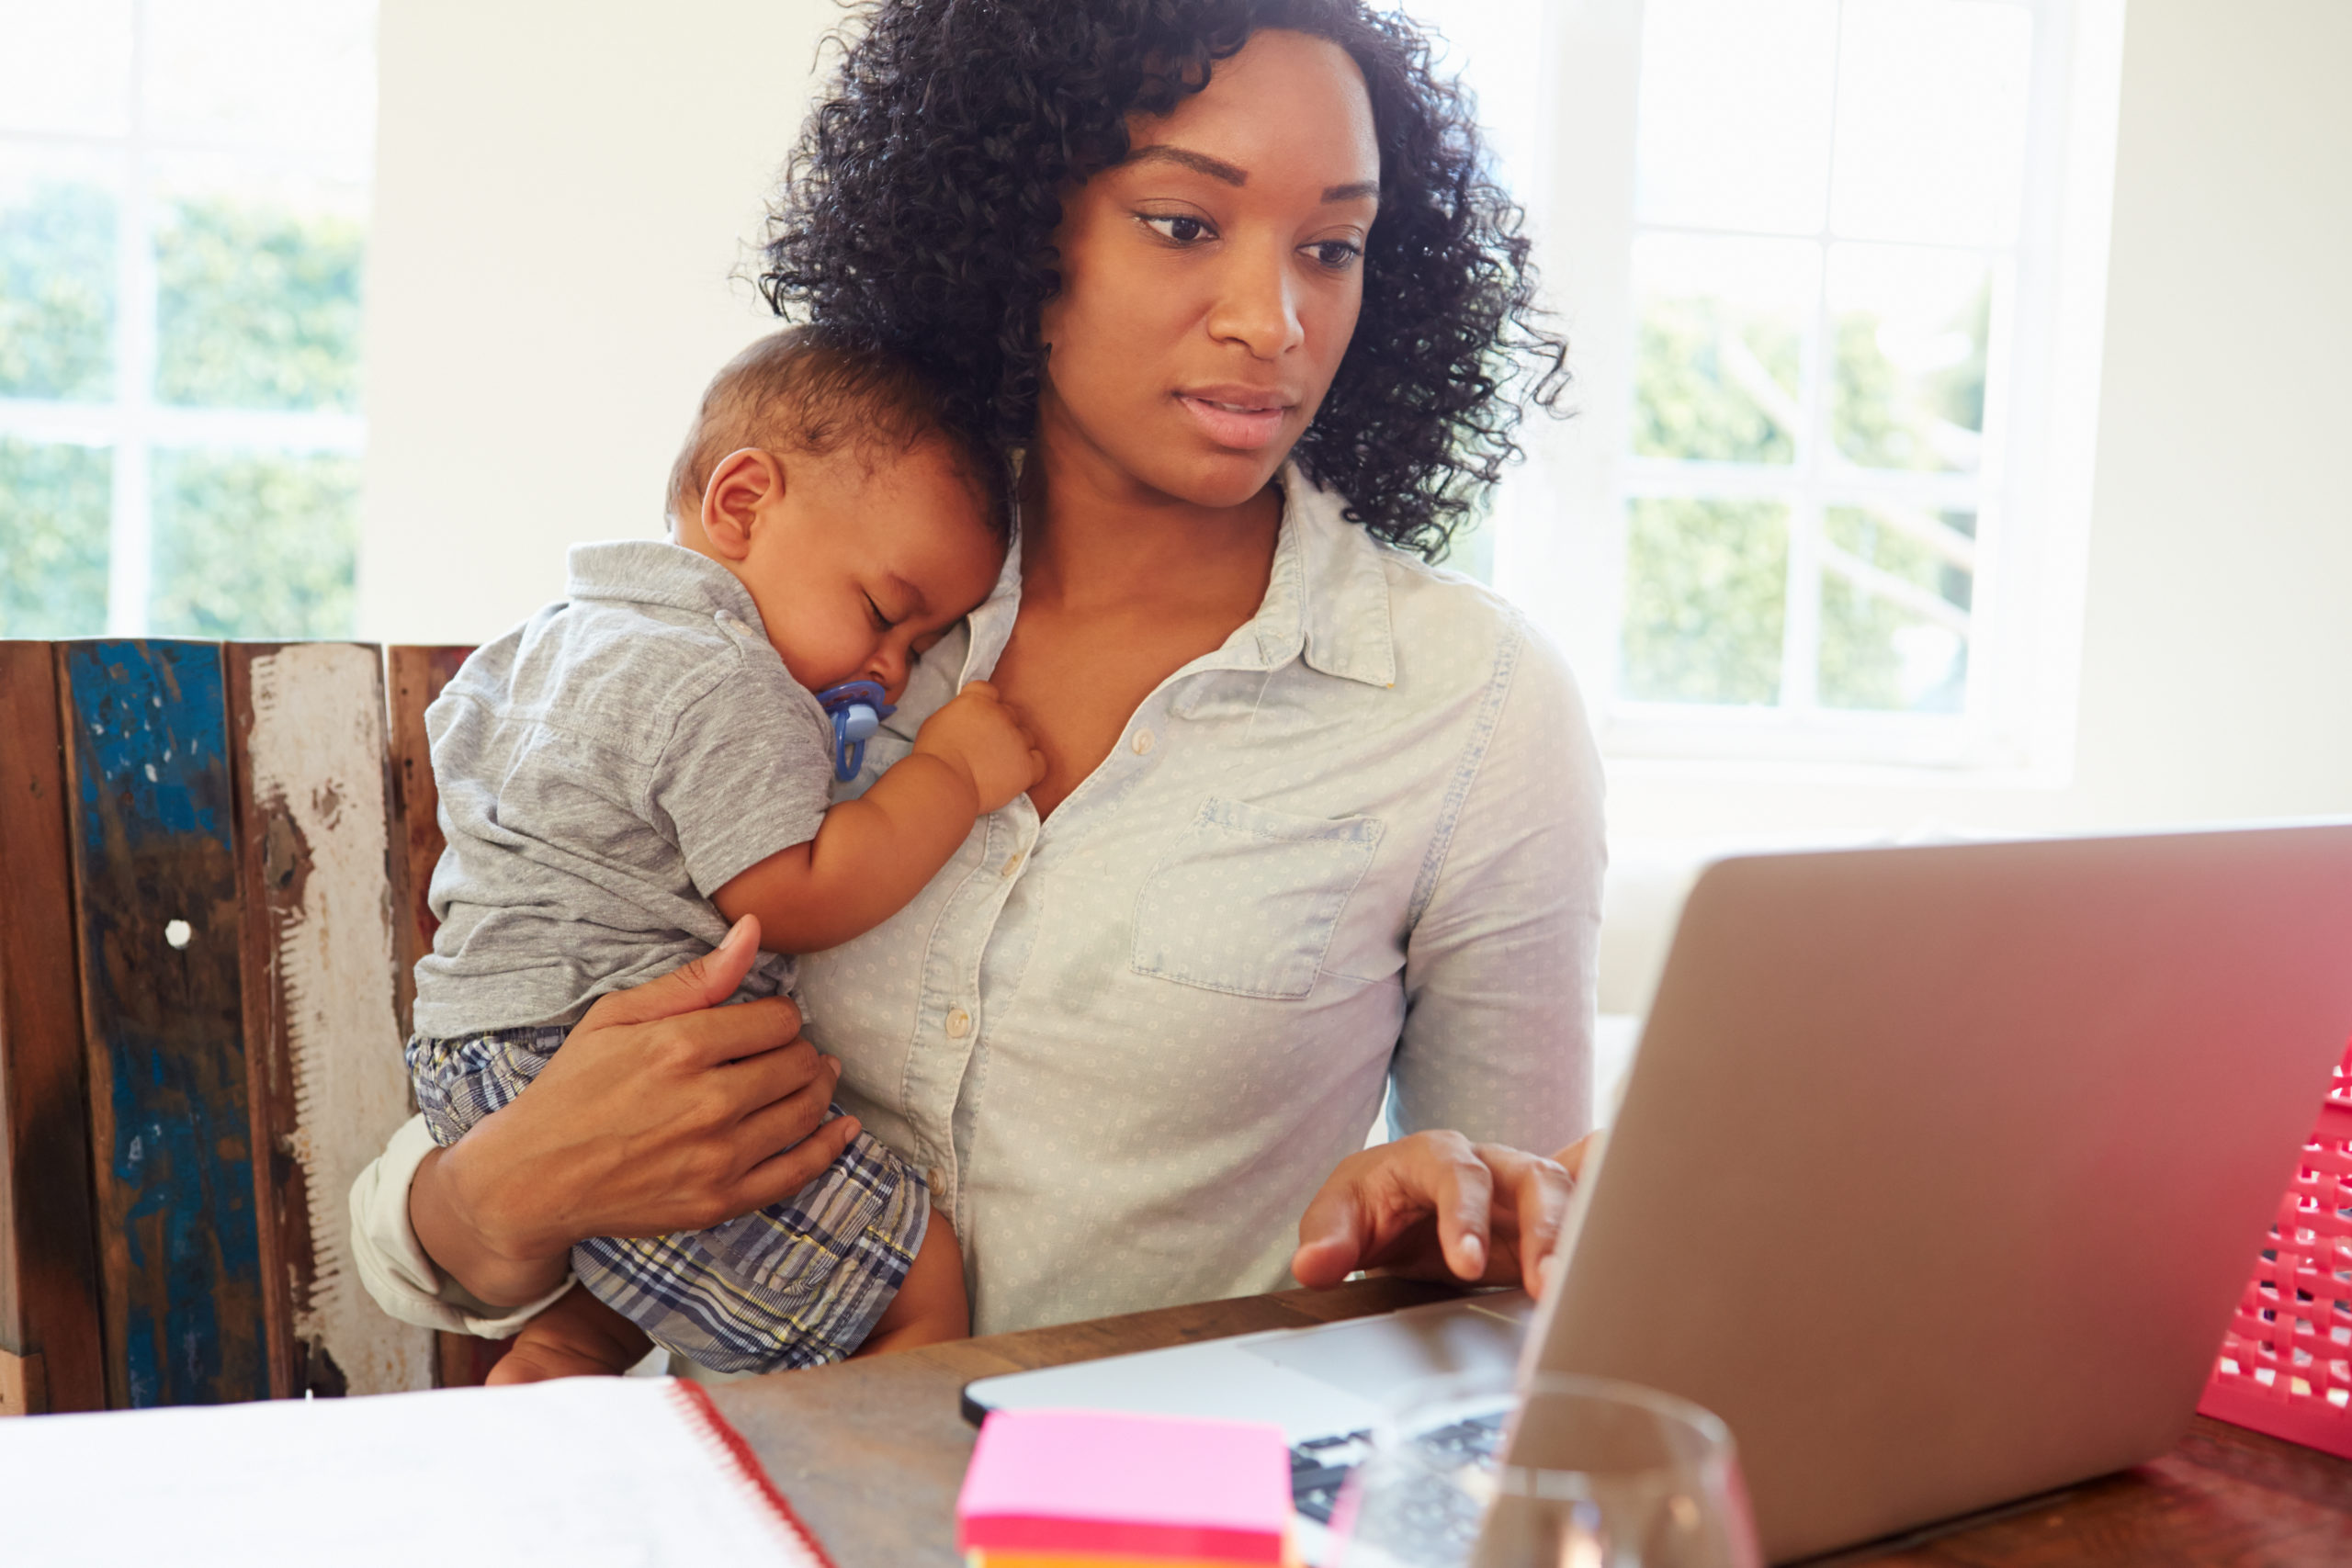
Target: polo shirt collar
653	571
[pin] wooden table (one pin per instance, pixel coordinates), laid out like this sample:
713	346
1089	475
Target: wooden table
871	1454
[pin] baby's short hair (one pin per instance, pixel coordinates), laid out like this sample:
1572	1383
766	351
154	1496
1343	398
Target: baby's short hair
802	389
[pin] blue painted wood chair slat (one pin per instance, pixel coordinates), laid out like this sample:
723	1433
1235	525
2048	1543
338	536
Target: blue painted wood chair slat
158	918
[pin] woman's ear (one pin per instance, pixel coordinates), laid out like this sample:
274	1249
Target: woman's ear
741	484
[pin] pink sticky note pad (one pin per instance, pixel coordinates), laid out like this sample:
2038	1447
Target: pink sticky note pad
1088	1481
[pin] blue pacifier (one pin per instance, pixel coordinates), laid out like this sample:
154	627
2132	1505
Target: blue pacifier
858	708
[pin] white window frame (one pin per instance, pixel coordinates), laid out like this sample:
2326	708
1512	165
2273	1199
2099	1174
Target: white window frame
132	423
1560	549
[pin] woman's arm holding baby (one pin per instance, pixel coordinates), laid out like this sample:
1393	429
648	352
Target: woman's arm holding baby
663	1112
873	854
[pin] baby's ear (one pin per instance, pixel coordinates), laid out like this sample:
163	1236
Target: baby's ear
741	483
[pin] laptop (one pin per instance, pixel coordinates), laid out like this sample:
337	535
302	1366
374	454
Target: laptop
1938	1175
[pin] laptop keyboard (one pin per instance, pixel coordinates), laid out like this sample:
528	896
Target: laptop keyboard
1319	1466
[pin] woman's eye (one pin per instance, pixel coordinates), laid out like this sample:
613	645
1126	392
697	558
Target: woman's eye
1337	254
1181	227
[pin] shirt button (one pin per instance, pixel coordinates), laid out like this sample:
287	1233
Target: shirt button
959	1024
1011	866
1144	741
937	1177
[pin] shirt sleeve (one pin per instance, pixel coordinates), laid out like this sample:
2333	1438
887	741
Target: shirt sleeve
1500	962
392	1263
747	773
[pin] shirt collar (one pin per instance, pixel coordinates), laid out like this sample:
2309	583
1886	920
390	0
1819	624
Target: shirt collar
653	571
1327	599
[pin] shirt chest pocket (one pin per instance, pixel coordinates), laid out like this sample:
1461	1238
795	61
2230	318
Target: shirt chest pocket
1247	900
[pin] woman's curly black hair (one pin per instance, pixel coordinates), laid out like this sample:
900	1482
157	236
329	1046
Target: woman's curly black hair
918	214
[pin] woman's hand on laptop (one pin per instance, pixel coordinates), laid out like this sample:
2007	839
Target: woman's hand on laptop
663	1112
1437	1206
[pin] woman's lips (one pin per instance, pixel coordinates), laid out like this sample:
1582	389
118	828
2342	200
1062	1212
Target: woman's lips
1231	425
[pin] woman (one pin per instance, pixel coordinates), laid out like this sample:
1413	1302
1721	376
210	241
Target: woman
1318	822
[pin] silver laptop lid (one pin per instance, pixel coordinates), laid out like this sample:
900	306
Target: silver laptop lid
1940	1169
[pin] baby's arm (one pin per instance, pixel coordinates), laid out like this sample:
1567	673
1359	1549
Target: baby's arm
872	855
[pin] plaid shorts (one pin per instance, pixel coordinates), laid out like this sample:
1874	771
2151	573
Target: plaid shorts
796	1284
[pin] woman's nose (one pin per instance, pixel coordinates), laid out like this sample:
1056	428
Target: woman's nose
1255	307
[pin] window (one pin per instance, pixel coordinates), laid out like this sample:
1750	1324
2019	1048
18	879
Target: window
183	208
1833	274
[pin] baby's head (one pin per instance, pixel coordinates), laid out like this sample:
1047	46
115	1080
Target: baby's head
862	526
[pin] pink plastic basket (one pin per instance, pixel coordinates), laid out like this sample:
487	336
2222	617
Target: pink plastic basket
2286	1364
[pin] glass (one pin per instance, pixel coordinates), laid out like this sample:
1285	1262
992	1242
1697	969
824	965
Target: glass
255	544
1718	369
280	75
55	506
57	273
1895	609
1487	43
1706	600
1933	100
1584	1473
66	66
1735	129
257	299
1911	330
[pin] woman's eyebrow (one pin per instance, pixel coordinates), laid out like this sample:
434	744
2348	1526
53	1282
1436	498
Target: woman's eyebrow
1199	163
1218	169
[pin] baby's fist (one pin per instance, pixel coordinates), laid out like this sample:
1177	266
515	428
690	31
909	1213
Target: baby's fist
978	734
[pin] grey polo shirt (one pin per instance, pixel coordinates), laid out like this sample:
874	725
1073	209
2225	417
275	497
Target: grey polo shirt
604	769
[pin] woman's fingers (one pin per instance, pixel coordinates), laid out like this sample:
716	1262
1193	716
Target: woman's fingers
1333	1231
1532	1197
697	984
1460	1190
1436	1205
781	1175
779	1123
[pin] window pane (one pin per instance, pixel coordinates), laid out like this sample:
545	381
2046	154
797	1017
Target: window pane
257	303
1894	607
284	74
66	66
53	520
1706	600
1736	97
254	545
57	268
1487	43
1722	325
1911	327
1932	100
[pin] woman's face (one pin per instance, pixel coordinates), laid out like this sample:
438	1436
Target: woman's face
1210	283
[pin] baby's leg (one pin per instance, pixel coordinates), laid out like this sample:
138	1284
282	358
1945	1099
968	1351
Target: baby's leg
797	1284
578	1337
458	1082
929	1307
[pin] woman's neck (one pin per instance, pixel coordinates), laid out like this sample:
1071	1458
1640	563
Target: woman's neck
1095	539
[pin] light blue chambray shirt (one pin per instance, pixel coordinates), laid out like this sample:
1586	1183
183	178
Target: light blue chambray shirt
1358	845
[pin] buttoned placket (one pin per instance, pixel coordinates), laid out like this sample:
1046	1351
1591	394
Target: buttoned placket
963	983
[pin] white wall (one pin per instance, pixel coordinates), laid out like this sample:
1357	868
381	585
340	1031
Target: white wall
562	190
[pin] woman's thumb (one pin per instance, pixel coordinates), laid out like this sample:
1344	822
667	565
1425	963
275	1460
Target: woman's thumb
693	986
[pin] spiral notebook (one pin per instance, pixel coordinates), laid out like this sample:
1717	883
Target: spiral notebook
585	1472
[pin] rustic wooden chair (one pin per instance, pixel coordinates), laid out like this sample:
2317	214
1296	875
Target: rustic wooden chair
213	860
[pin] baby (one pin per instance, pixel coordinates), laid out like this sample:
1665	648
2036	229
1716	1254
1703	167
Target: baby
644	763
